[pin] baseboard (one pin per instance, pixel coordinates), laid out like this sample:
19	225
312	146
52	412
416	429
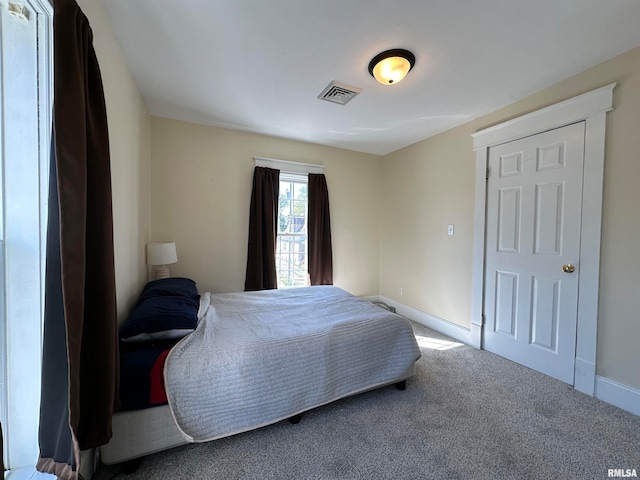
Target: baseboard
609	391
374	298
438	324
584	376
622	396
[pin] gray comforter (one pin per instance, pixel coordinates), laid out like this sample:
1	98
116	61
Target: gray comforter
259	357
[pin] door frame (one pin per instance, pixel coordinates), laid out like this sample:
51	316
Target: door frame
592	108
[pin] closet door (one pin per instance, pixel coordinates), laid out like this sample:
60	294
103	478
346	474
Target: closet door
534	203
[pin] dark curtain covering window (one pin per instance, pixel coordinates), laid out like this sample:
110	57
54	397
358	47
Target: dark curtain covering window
319	231
263	228
80	349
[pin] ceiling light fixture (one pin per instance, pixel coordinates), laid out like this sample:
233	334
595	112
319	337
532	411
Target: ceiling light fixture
391	66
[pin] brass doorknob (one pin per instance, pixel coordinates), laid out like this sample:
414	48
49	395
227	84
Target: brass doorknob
568	268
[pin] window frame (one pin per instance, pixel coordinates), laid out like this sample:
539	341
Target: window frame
22	339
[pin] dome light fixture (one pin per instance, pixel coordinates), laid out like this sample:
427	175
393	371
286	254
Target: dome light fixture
391	66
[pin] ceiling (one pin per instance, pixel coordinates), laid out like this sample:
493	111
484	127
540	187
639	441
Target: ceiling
259	65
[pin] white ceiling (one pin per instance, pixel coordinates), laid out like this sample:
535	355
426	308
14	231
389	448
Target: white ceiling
259	65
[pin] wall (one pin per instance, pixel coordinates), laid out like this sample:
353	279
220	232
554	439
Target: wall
201	190
430	184
130	147
426	187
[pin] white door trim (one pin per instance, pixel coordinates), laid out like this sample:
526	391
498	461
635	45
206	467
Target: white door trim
590	107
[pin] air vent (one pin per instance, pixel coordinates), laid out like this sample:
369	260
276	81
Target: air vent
339	93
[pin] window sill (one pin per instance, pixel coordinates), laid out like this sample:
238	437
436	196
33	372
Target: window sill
27	473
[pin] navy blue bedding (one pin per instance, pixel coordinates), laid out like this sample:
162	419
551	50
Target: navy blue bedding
166	311
170	287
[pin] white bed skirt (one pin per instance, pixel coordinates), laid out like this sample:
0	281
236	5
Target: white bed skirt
141	432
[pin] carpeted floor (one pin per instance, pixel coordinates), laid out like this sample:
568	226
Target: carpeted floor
467	414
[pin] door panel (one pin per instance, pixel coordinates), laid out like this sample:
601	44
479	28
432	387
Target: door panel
544	315
534	197
509	220
506	301
548	217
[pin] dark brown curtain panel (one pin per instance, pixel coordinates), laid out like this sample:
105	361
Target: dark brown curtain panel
263	228
80	351
319	229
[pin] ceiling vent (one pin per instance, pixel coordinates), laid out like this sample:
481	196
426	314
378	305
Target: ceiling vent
339	93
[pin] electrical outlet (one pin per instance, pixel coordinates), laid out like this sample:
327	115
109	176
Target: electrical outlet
450	229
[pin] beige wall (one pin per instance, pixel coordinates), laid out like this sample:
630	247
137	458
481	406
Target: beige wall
426	187
129	140
430	184
201	190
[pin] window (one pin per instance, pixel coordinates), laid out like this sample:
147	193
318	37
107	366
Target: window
292	249
291	244
25	125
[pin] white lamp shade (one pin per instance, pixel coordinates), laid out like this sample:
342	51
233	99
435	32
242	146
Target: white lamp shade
161	253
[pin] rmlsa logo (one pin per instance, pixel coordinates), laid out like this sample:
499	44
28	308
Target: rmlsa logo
623	472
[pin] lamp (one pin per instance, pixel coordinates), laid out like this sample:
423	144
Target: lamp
160	255
391	66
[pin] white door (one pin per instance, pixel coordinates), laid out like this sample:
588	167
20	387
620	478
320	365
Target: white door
534	198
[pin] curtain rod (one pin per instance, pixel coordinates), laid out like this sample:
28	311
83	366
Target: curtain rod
288	166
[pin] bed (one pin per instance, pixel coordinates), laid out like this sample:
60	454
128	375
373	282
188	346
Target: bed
255	358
